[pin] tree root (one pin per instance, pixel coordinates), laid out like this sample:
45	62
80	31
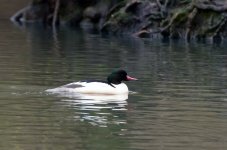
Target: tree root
17	17
186	17
206	5
214	30
163	8
169	18
221	25
218	27
55	14
115	8
191	17
177	18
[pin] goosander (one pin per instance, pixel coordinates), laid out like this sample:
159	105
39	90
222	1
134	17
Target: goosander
113	85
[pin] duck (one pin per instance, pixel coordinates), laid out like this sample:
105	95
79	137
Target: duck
111	86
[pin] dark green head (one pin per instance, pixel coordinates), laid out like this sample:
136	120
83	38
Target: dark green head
118	76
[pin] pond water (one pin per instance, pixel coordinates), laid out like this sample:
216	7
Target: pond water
179	101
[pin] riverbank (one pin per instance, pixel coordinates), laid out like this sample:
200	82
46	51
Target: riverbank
187	19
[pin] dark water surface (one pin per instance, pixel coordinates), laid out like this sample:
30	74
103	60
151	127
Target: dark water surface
179	102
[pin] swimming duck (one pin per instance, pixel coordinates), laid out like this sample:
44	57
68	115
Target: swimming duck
113	85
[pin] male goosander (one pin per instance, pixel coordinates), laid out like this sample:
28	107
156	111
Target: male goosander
113	85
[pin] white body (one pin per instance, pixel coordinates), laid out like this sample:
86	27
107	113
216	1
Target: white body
92	88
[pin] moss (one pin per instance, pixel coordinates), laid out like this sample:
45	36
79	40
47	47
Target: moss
115	9
207	23
181	16
122	17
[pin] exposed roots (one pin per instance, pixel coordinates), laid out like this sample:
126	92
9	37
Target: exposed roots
208	5
216	28
169	18
191	17
55	14
176	19
185	20
162	7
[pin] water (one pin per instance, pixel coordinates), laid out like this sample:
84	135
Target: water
179	101
9	8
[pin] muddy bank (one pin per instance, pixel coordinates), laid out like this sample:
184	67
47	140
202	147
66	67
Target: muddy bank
187	19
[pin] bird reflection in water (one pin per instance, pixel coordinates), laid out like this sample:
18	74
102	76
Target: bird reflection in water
98	110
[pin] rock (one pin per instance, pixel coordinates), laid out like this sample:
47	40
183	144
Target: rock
92	14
